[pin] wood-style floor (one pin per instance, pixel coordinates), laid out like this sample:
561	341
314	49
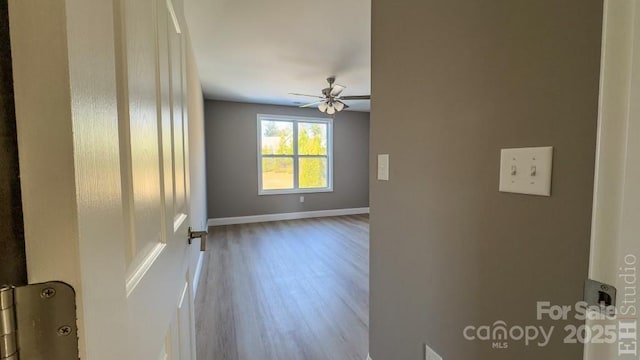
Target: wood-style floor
286	290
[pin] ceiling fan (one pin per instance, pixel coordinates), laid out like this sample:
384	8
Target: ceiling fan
331	99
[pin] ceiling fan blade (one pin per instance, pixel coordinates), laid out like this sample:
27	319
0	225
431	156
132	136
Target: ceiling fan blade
312	104
356	97
336	90
315	96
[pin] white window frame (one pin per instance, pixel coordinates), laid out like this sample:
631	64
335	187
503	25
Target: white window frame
295	120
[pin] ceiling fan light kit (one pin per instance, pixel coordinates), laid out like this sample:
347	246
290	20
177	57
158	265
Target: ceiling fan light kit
331	100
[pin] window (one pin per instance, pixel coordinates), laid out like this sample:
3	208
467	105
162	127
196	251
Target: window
294	154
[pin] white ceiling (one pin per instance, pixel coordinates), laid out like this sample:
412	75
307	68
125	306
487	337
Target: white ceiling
261	50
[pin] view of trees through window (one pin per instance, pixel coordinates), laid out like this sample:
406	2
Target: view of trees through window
294	148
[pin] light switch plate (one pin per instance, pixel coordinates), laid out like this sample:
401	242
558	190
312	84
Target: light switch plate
429	354
383	167
526	170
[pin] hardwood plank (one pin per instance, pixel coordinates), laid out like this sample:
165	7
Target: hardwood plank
286	290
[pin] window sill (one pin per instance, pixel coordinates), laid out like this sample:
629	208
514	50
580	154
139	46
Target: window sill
294	191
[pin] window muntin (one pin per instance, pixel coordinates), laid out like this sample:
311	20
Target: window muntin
294	154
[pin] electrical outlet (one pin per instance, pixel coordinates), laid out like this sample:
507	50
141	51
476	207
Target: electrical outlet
429	354
301	199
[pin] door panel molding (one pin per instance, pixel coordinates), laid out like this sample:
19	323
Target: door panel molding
135	276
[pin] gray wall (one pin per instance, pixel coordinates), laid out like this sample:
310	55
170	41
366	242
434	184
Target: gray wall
232	173
453	82
13	265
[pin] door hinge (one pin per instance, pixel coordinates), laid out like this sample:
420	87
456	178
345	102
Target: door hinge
38	322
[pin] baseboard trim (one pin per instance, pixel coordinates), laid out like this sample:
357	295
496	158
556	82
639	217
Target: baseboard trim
285	216
196	274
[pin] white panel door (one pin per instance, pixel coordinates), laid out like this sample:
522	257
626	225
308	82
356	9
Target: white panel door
101	112
150	69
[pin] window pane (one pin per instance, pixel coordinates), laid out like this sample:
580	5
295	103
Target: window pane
277	137
312	138
313	172
277	173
